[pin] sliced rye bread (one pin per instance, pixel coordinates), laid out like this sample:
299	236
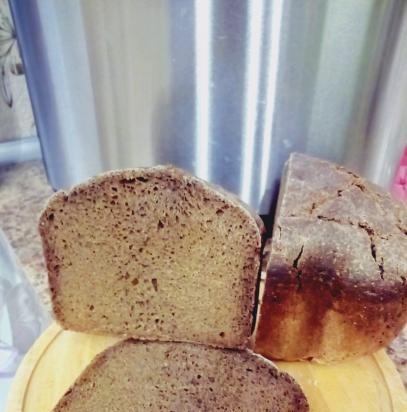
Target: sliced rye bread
152	253
337	267
161	376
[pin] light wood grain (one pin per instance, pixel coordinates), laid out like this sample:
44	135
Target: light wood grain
368	384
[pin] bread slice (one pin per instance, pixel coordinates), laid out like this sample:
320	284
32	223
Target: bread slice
162	376
337	268
153	254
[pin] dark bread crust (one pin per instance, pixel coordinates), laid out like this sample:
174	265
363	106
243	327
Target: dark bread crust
58	204
336	273
204	378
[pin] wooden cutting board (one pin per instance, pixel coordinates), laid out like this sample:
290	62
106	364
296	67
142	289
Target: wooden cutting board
368	384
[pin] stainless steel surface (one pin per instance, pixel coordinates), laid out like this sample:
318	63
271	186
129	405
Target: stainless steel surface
388	127
226	88
20	150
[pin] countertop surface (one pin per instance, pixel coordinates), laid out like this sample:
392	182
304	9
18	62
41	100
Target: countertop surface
23	192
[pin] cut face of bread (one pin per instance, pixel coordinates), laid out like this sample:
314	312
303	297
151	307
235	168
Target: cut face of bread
337	267
152	254
161	376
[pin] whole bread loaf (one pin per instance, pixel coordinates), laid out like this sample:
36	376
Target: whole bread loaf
152	253
337	268
161	376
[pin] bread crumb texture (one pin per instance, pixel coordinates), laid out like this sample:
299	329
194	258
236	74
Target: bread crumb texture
161	376
154	254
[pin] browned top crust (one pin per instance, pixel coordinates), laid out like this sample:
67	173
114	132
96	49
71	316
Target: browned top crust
352	223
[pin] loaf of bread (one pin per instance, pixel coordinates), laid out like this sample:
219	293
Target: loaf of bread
337	267
162	376
152	253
